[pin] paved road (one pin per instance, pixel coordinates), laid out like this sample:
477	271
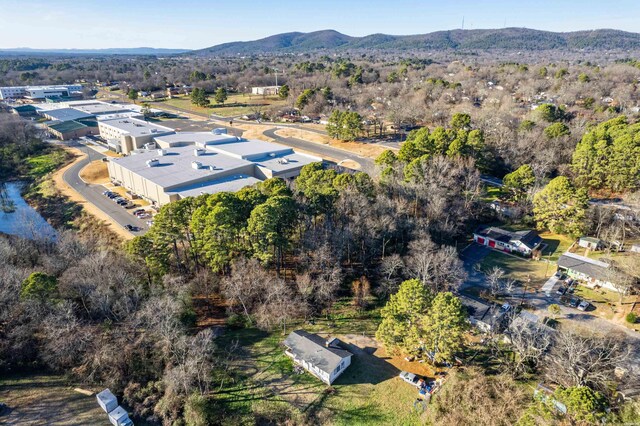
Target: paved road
93	193
538	300
323	150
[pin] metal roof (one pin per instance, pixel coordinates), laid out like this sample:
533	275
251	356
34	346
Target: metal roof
175	170
66	114
136	127
313	349
590	267
229	184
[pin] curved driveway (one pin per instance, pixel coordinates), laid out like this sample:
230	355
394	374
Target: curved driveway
93	193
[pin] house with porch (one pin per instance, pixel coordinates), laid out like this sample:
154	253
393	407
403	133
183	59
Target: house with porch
324	358
592	272
520	242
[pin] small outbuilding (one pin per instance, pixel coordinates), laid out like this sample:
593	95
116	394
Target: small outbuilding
591	243
120	417
107	401
324	358
635	248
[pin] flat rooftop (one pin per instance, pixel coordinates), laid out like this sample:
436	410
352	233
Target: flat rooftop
250	149
197	138
227	184
136	127
175	170
66	114
101	108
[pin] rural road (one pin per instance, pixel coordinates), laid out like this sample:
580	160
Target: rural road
322	150
93	193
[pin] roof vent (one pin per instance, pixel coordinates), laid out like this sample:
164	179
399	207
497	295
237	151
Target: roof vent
198	152
196	165
153	162
162	152
212	168
272	154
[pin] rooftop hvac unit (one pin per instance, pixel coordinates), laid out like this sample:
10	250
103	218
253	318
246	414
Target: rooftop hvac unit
219	131
154	130
196	165
162	152
198	152
212	168
153	162
272	154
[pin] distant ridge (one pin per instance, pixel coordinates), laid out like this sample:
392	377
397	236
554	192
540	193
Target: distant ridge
113	51
504	39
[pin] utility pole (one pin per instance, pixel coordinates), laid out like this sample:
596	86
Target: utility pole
463	23
276	70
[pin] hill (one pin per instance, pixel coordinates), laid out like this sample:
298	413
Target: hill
506	39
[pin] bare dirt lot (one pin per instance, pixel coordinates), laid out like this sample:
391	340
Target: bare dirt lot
363	149
47	399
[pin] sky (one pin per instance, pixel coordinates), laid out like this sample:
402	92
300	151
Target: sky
194	24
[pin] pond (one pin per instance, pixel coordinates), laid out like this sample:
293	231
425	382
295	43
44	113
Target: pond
19	218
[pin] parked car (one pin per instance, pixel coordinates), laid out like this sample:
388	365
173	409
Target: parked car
112	195
558	274
561	290
118	199
410	378
131	228
583	306
574	302
123	202
106	193
138	211
129	205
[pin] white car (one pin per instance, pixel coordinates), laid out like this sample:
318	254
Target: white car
583	305
410	378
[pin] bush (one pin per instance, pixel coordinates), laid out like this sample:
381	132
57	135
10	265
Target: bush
632	317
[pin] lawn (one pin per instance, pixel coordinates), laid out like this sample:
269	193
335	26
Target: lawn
556	245
47	399
492	193
235	105
263	381
519	268
42	165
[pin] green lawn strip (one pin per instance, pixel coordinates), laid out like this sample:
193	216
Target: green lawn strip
42	165
556	245
492	193
519	268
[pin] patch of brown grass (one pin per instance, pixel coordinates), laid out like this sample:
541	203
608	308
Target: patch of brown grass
95	172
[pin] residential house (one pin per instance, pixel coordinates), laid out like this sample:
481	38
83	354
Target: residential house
593	272
591	243
324	358
265	90
521	242
505	209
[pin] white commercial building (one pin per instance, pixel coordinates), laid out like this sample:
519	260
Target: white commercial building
191	164
38	92
130	134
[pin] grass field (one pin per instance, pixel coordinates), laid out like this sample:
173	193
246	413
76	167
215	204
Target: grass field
519	268
42	165
235	105
556	245
47	399
369	392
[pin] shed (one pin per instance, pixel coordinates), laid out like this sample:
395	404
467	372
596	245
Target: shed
591	243
635	248
120	417
107	401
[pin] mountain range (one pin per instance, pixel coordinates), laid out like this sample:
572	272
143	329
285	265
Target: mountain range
506	38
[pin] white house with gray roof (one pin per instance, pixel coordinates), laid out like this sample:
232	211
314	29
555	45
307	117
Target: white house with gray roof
324	358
